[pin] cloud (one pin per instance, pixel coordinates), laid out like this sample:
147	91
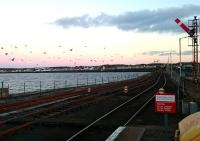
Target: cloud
160	53
188	52
160	20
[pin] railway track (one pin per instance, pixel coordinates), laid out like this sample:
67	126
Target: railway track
63	102
130	109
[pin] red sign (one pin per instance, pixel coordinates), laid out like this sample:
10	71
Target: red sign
165	103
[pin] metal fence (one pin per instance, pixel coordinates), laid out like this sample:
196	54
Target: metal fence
31	87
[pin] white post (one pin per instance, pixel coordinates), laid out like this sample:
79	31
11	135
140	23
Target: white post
180	74
180	62
171	65
180	57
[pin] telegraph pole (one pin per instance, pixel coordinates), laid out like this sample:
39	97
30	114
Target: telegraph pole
194	27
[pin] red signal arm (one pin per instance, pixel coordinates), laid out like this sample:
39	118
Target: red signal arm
184	27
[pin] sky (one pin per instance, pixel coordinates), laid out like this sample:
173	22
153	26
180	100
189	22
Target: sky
41	33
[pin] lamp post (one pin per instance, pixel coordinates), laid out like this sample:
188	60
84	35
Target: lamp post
180	71
170	56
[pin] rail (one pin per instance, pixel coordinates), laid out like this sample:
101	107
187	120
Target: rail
118	107
145	104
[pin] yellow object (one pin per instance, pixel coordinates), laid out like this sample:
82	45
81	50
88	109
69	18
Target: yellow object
189	128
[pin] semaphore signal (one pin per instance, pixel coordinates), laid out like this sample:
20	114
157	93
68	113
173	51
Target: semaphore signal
193	34
184	27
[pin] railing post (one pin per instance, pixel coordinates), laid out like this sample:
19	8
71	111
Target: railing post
87	81
77	82
65	83
54	85
95	81
8	88
24	87
1	88
40	87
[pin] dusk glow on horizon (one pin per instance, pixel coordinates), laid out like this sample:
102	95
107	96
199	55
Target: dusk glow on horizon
47	33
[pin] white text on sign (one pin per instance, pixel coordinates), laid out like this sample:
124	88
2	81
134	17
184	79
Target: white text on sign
166	98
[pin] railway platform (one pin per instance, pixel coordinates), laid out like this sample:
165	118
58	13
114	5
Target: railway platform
142	133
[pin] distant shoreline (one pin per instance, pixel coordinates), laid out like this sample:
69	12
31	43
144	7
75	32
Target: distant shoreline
91	71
